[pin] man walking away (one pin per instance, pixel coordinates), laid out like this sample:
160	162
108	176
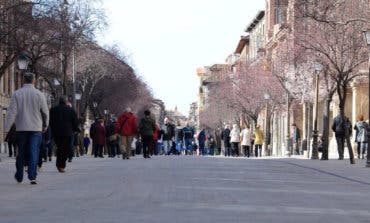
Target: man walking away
127	127
63	124
343	129
226	138
146	128
296	136
188	138
92	135
29	110
100	138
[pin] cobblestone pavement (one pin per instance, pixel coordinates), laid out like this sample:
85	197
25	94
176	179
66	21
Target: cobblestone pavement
189	189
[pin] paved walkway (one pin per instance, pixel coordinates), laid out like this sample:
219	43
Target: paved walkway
189	189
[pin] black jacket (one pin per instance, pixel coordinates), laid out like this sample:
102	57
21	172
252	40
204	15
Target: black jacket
168	131
147	126
63	121
341	125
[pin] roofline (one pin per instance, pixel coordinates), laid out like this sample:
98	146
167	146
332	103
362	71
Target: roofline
255	21
244	40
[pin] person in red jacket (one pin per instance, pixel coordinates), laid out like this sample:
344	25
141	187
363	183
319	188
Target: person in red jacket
156	136
127	127
99	140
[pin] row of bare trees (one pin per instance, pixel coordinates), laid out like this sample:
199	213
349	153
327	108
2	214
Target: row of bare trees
58	38
327	32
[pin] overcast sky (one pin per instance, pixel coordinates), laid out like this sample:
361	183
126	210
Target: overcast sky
168	39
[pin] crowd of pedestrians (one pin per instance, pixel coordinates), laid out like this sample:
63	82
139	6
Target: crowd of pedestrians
32	131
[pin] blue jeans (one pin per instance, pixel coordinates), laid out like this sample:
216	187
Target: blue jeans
179	146
188	146
28	142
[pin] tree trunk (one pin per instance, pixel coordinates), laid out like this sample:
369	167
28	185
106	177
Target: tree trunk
342	92
287	133
326	129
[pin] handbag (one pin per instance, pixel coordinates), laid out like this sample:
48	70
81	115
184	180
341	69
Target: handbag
113	137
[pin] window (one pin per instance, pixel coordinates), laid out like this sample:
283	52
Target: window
278	12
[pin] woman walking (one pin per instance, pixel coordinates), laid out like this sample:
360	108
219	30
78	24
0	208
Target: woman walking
235	139
361	137
246	138
258	141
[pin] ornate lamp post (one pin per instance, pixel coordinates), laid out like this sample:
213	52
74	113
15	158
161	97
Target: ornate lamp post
95	105
23	62
367	39
106	113
315	151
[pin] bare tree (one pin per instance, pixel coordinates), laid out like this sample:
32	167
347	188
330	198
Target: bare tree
332	35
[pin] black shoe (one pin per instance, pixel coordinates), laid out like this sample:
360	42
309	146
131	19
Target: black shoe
33	182
50	159
69	160
18	180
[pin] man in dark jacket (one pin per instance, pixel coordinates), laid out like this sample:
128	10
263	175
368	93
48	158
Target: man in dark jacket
112	138
99	138
343	129
92	136
63	124
226	138
146	130
295	139
168	134
188	138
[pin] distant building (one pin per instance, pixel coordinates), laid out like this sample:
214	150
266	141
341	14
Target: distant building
176	116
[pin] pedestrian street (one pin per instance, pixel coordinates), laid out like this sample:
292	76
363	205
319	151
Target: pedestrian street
189	189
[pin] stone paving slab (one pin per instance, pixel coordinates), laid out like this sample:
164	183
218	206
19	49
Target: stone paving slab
189	189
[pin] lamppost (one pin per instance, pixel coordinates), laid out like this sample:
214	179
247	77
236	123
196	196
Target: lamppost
367	39
78	98
315	151
23	62
267	124
95	105
106	114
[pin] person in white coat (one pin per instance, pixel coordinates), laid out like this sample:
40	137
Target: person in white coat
235	139
246	139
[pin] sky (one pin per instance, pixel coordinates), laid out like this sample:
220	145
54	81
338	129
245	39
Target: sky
167	40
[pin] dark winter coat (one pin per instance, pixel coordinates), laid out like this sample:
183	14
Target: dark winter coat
340	124
226	137
188	132
99	135
63	121
168	131
147	126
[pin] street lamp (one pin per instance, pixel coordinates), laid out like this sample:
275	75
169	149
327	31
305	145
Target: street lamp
106	113
23	62
95	105
267	124
367	39
78	98
315	151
